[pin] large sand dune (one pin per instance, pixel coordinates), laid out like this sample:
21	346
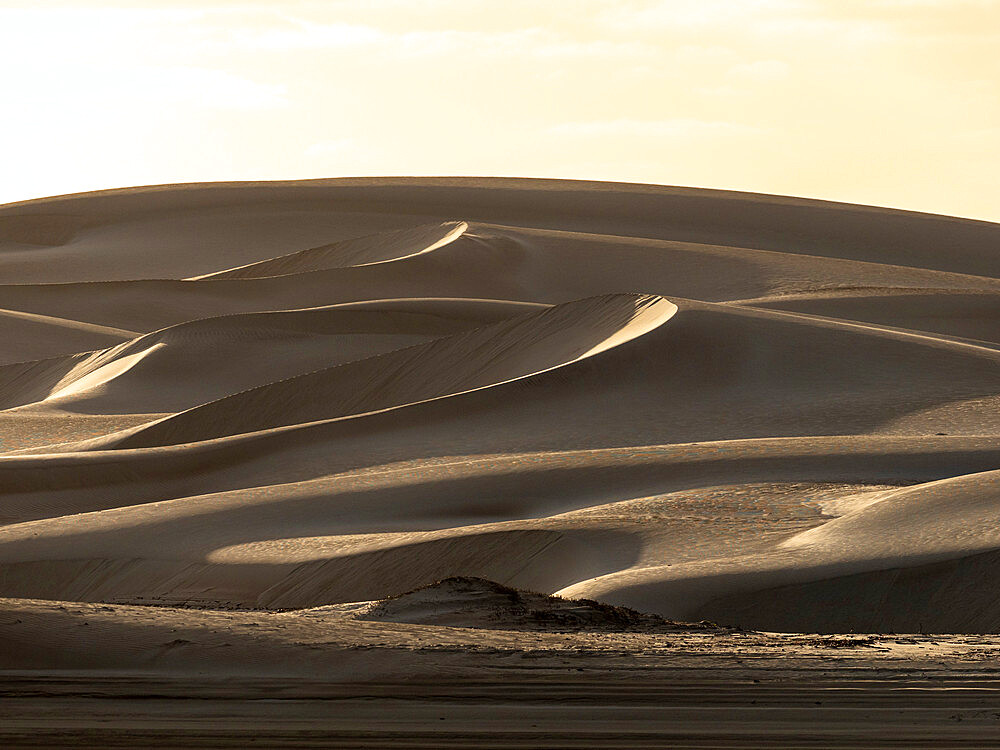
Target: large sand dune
770	412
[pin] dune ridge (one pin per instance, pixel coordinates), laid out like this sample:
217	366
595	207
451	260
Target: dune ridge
382	247
764	411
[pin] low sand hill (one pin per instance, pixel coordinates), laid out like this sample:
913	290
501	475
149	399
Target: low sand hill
477	603
767	412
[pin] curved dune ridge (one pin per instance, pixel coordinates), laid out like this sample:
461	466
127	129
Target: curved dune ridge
768	412
382	247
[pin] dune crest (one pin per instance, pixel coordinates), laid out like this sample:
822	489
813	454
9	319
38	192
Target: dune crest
384	247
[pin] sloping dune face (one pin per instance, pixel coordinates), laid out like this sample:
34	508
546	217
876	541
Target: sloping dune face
769	412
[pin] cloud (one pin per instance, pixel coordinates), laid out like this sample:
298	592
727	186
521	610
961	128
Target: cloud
214	89
297	34
700	54
667	128
942	4
705	13
761	70
332	147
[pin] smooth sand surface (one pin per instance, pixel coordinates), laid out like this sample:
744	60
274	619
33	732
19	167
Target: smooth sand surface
269	402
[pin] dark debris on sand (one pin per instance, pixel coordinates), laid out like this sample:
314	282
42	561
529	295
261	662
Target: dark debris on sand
479	603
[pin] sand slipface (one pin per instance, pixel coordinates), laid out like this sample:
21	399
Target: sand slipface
765	412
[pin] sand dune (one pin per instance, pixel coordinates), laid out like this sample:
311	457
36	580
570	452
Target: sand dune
499	354
191	363
769	412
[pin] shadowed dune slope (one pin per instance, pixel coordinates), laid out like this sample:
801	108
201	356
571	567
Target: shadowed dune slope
766	411
28	336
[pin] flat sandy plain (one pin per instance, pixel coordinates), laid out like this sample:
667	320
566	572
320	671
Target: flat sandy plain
234	417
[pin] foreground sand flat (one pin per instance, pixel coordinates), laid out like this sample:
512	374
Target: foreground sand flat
320	678
231	413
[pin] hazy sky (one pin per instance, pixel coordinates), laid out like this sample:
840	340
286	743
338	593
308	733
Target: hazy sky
890	102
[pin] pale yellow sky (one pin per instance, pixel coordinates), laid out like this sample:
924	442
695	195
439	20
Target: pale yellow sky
888	102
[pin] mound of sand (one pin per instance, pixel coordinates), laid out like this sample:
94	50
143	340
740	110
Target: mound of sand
463	602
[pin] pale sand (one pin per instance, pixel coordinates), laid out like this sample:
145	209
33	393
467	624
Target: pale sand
773	413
